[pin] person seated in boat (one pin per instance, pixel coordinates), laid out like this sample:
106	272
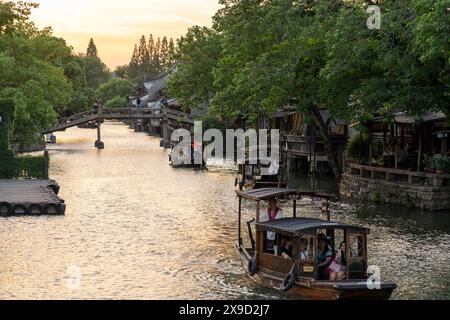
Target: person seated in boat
337	267
273	213
286	248
323	256
304	253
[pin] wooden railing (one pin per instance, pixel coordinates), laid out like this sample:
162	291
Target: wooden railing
120	114
397	175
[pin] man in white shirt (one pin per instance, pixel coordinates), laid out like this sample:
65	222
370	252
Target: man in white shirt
273	213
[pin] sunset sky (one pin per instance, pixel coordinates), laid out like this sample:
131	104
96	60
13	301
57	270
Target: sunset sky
117	25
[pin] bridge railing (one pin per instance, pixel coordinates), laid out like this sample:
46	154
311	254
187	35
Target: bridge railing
77	116
127	111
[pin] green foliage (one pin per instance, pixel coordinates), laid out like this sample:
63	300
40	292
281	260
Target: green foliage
116	102
212	122
30	167
92	49
149	59
96	71
32	68
438	162
7	161
41	74
113	89
121	72
7	117
192	79
260	55
7	164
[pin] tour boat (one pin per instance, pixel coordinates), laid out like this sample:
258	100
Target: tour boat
184	160
299	275
253	174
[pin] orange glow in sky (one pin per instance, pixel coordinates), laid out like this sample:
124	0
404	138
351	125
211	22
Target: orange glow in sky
117	25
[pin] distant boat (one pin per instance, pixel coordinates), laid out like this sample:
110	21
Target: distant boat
88	125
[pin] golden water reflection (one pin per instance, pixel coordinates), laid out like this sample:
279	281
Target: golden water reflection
135	228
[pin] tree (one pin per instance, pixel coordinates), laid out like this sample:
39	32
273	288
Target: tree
113	89
7	114
96	71
116	102
318	55
92	49
122	71
31	65
164	54
41	74
144	58
157	57
192	80
151	50
133	67
171	53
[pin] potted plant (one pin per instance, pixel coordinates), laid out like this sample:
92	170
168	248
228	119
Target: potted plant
442	165
430	165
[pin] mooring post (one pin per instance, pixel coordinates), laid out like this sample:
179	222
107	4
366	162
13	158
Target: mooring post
99	143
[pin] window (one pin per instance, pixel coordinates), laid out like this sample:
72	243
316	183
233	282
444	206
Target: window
306	248
339	237
356	246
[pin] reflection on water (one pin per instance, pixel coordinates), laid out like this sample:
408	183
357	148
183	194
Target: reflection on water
137	228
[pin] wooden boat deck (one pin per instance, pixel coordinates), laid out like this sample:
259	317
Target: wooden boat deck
30	197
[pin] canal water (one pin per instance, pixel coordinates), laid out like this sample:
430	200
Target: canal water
135	228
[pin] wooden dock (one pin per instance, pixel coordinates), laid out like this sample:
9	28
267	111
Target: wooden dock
30	197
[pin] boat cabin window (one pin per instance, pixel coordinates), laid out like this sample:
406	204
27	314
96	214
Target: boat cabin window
306	256
338	238
357	246
272	246
306	248
357	262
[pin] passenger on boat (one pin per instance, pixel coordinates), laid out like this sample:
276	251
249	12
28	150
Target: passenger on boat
286	248
337	267
273	213
324	256
304	253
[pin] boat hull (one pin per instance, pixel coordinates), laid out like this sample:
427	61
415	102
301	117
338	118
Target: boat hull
309	289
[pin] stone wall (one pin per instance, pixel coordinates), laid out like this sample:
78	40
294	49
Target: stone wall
381	191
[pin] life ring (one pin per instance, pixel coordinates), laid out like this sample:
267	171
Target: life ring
51	209
19	209
252	267
5	209
289	280
35	209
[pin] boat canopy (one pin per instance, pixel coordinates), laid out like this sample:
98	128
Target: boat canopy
270	193
298	226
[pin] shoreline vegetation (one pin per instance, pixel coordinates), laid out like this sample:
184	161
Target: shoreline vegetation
257	57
